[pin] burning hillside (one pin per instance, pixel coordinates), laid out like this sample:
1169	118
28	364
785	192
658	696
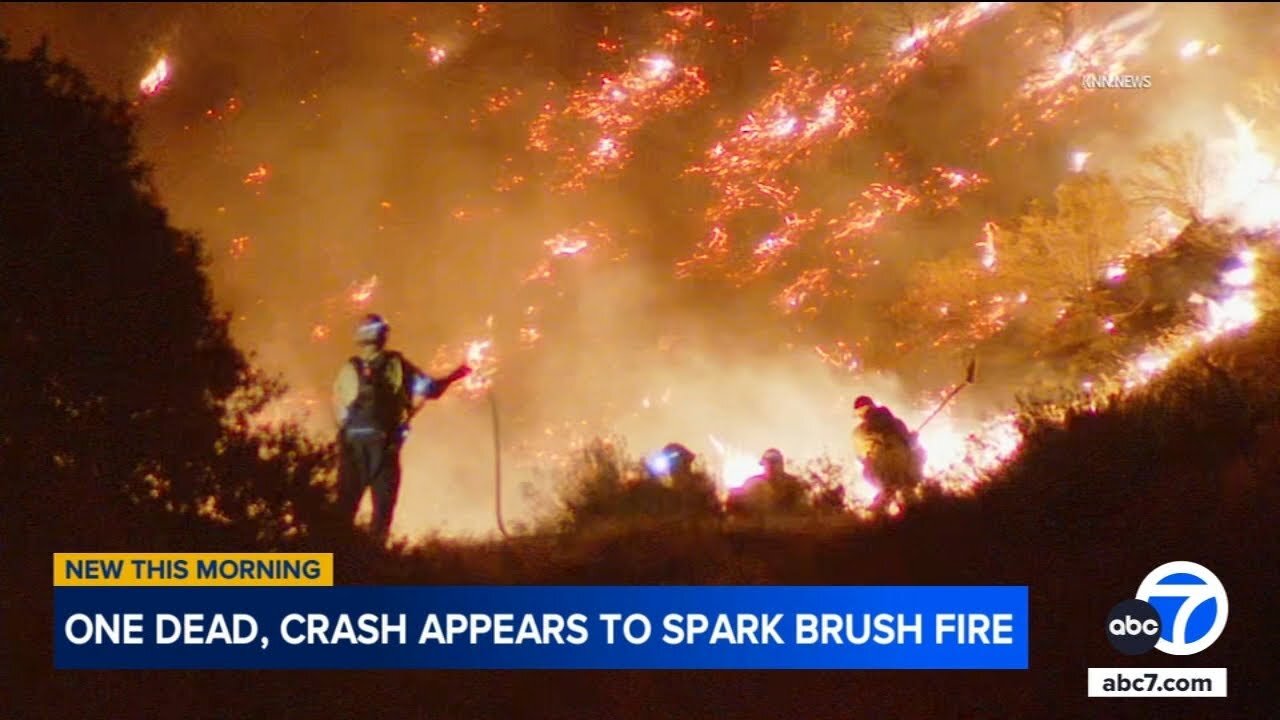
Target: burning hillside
712	223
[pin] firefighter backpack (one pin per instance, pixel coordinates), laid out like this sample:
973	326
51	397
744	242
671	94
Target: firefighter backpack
379	401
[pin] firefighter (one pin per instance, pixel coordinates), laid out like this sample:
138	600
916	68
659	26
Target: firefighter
772	491
890	454
678	464
690	493
375	395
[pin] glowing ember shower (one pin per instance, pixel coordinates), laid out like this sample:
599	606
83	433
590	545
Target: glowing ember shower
958	20
590	135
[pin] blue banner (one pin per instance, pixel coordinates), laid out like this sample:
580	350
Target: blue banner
540	627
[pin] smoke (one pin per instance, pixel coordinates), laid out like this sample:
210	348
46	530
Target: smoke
393	138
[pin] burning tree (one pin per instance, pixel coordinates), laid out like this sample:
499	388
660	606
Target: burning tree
1034	272
1057	255
1173	177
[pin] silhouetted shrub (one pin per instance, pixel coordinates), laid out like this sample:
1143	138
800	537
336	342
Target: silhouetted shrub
122	391
601	485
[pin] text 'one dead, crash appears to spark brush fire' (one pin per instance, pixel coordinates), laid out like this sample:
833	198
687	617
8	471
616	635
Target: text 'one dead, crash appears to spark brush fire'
713	224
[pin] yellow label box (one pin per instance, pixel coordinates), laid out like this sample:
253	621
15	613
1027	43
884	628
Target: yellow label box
192	569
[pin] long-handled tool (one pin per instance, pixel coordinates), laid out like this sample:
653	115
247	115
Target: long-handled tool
970	376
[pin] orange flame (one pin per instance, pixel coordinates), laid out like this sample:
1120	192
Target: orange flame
362	293
155	78
258	175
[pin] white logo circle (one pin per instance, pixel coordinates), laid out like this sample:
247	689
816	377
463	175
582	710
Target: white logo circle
1195	595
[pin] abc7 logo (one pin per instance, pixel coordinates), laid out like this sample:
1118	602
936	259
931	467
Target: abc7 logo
1180	609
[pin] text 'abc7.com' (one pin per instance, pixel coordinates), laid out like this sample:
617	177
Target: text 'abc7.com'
1180	609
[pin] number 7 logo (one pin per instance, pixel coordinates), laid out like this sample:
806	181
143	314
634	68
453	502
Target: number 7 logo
1192	604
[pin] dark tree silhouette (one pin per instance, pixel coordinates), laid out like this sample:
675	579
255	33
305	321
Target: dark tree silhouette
121	391
125	408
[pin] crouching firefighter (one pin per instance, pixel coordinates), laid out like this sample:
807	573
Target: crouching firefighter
773	491
376	394
890	453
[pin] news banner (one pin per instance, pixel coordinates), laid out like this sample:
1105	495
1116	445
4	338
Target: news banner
210	611
282	611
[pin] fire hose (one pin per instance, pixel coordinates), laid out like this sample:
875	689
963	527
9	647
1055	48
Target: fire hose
497	457
497	463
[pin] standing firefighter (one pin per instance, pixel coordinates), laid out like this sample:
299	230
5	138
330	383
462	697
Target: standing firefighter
375	395
891	458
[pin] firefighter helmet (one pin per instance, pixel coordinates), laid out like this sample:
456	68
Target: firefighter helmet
372	330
